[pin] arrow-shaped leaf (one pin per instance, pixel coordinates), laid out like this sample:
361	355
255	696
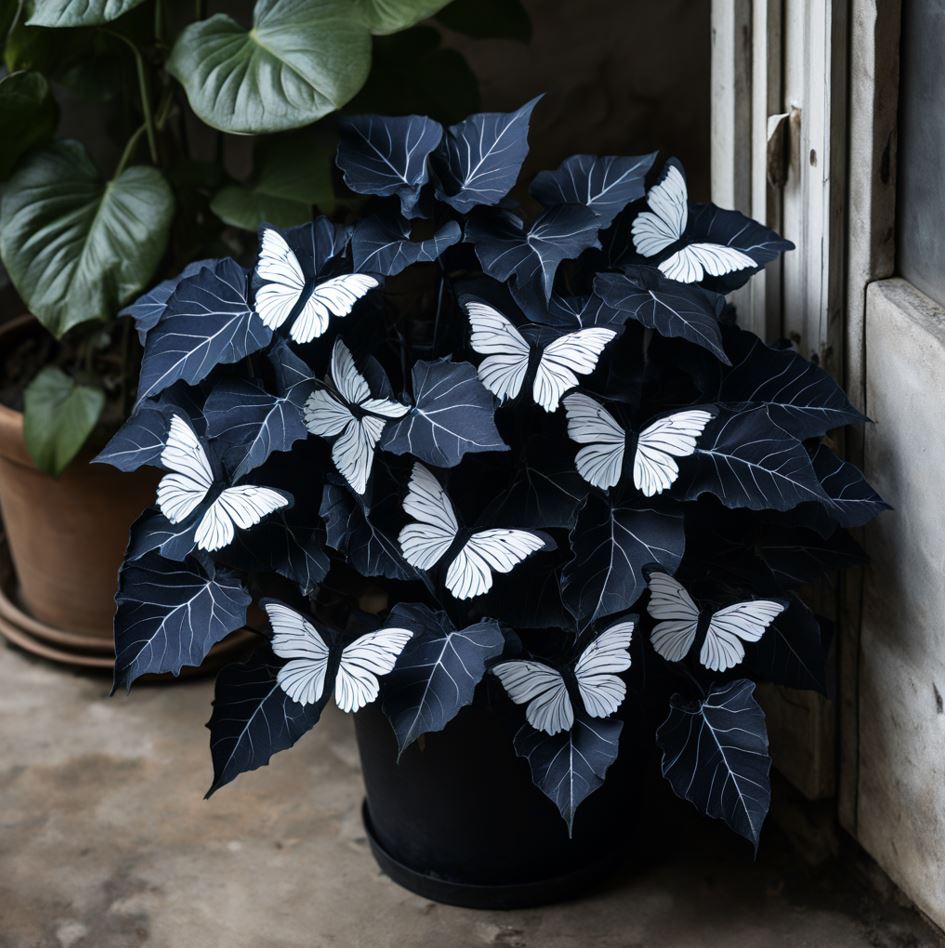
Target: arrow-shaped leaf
452	415
715	755
253	718
568	767
437	673
605	184
481	157
171	614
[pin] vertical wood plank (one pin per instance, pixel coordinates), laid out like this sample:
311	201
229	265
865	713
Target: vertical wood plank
871	207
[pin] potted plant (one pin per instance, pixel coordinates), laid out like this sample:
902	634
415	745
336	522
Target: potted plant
502	484
151	103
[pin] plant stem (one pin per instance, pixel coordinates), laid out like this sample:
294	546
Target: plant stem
159	21
143	93
200	9
129	149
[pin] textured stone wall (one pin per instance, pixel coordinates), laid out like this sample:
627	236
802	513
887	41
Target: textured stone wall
620	77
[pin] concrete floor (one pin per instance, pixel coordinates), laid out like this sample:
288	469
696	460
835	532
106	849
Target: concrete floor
105	841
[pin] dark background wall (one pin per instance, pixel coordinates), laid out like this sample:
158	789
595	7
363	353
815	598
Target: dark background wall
620	77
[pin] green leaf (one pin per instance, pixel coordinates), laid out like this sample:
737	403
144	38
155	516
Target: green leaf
390	16
76	247
78	12
58	417
488	19
28	116
291	174
301	60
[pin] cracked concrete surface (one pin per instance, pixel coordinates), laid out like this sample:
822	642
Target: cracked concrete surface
106	842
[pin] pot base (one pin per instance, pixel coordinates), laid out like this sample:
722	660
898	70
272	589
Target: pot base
517	895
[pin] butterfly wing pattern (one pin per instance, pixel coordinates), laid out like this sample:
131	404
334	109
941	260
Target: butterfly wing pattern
573	354
542	689
507	356
284	287
182	491
597	670
295	638
654	465
366	659
545	693
429	536
328	415
677	615
361	664
185	488
665	223
728	628
507	353
589	423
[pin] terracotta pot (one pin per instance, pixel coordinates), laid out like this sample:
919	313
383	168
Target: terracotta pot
66	535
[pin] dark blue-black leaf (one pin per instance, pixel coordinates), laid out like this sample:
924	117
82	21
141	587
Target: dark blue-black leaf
358	529
288	543
715	755
384	246
153	532
171	614
508	250
568	767
797	556
208	322
249	423
604	184
611	544
253	718
452	414
480	158
746	460
847	498
387	155
545	492
683	310
139	441
437	673
579	312
801	397
148	308
791	652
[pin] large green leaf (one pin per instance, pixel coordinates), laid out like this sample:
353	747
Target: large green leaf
389	16
78	12
28	116
76	247
300	60
291	174
58	417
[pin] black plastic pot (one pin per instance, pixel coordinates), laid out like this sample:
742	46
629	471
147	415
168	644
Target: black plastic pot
458	819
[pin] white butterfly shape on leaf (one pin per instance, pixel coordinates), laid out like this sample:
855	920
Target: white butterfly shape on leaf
362	662
679	616
665	223
182	491
284	286
508	356
353	414
545	691
657	445
426	541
